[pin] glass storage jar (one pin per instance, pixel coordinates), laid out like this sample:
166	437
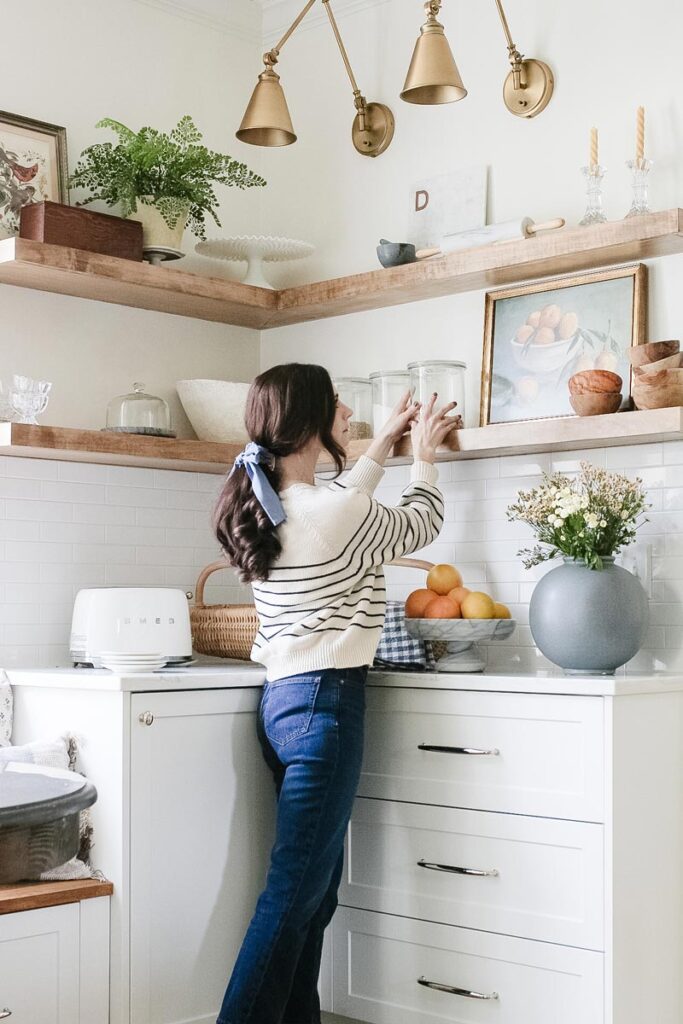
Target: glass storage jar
445	377
139	413
388	386
356	392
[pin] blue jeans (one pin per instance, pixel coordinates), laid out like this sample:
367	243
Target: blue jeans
311	731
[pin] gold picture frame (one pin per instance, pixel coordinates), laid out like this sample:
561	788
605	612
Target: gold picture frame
33	167
525	367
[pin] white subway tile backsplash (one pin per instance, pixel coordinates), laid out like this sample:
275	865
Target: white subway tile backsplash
72	492
107	515
169	517
28	469
136	497
64	526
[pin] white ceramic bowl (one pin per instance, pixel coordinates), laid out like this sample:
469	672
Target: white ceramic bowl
215	408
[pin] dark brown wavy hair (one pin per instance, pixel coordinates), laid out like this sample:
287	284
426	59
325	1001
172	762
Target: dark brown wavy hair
287	407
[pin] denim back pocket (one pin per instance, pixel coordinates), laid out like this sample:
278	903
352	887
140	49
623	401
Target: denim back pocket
287	708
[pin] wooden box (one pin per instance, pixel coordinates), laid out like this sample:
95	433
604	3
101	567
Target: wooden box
82	229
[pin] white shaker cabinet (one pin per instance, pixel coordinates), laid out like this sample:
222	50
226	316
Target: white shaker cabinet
54	964
515	854
183	823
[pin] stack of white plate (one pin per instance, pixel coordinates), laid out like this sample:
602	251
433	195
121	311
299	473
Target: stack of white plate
124	664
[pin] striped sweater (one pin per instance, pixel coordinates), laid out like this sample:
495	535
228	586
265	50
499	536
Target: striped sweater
323	603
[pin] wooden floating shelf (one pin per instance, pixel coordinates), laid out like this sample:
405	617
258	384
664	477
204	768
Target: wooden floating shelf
54	268
531	437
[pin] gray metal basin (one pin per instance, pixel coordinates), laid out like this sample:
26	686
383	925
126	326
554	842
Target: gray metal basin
39	822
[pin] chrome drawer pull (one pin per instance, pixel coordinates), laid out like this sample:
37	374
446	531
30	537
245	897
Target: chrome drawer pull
493	873
5	1013
454	991
457	750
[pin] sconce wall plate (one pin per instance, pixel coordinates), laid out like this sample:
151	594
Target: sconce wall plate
376	137
535	94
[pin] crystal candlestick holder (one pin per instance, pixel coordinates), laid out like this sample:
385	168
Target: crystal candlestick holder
594	212
28	397
640	170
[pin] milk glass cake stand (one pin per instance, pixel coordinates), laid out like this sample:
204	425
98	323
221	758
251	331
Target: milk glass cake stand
461	636
255	250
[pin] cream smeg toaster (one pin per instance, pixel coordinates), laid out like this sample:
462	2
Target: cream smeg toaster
131	620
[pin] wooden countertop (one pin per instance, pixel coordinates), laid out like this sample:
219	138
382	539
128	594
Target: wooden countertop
34	895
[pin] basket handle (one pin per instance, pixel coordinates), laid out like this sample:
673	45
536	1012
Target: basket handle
412	563
408	563
203	577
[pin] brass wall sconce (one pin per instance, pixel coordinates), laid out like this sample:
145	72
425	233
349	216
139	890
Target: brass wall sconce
267	121
433	76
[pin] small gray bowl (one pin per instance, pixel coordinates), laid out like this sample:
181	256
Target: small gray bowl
394	254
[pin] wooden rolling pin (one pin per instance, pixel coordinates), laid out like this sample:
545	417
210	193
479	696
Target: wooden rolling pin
504	232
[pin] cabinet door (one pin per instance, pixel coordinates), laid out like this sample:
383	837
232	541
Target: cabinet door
202	818
39	965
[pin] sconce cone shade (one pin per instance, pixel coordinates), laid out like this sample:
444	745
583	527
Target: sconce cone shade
433	76
266	121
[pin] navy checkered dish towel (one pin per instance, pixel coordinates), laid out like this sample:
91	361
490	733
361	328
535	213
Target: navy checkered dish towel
397	649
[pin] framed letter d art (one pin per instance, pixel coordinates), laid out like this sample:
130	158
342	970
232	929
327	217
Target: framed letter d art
537	335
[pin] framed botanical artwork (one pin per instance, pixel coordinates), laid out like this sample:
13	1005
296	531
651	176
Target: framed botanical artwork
33	167
537	335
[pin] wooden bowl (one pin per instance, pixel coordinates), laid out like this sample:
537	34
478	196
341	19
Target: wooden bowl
595	382
660	390
668	363
652	351
594	404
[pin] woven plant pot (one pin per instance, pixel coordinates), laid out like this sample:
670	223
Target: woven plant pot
222	630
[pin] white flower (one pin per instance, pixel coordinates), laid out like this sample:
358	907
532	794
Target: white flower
591	520
603	523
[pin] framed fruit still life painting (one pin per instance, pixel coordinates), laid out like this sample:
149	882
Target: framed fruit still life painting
33	167
537	335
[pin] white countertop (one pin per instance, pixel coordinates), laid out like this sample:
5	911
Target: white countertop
237	674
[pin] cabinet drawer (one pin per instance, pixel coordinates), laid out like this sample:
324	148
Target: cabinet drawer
39	965
518	753
536	878
378	960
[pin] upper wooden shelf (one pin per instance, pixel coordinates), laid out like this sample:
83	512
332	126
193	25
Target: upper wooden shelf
68	271
565	434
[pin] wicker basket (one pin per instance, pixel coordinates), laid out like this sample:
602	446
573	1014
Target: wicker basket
229	630
222	630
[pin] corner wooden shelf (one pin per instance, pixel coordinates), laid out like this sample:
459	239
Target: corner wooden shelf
54	268
69	445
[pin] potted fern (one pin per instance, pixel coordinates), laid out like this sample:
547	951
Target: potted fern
164	180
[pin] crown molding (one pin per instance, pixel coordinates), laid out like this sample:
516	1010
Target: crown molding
278	15
248	33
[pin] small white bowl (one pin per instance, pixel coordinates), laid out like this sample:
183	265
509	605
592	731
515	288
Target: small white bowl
215	408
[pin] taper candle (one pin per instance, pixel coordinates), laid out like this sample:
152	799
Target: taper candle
594	148
640	133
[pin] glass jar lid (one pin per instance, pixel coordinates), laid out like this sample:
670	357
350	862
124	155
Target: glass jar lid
388	373
350	380
436	362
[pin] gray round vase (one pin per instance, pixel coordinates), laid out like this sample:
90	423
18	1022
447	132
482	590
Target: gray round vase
588	621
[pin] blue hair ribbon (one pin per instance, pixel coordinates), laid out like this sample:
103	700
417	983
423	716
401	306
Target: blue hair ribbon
251	459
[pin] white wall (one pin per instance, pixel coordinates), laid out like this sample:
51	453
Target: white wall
606	59
142	62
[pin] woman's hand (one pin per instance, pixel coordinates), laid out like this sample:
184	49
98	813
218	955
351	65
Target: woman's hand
431	429
403	415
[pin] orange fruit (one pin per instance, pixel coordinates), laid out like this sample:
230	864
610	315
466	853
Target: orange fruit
550	316
443	578
524	333
544	336
501	611
477	606
442	608
534	318
459	594
417	602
